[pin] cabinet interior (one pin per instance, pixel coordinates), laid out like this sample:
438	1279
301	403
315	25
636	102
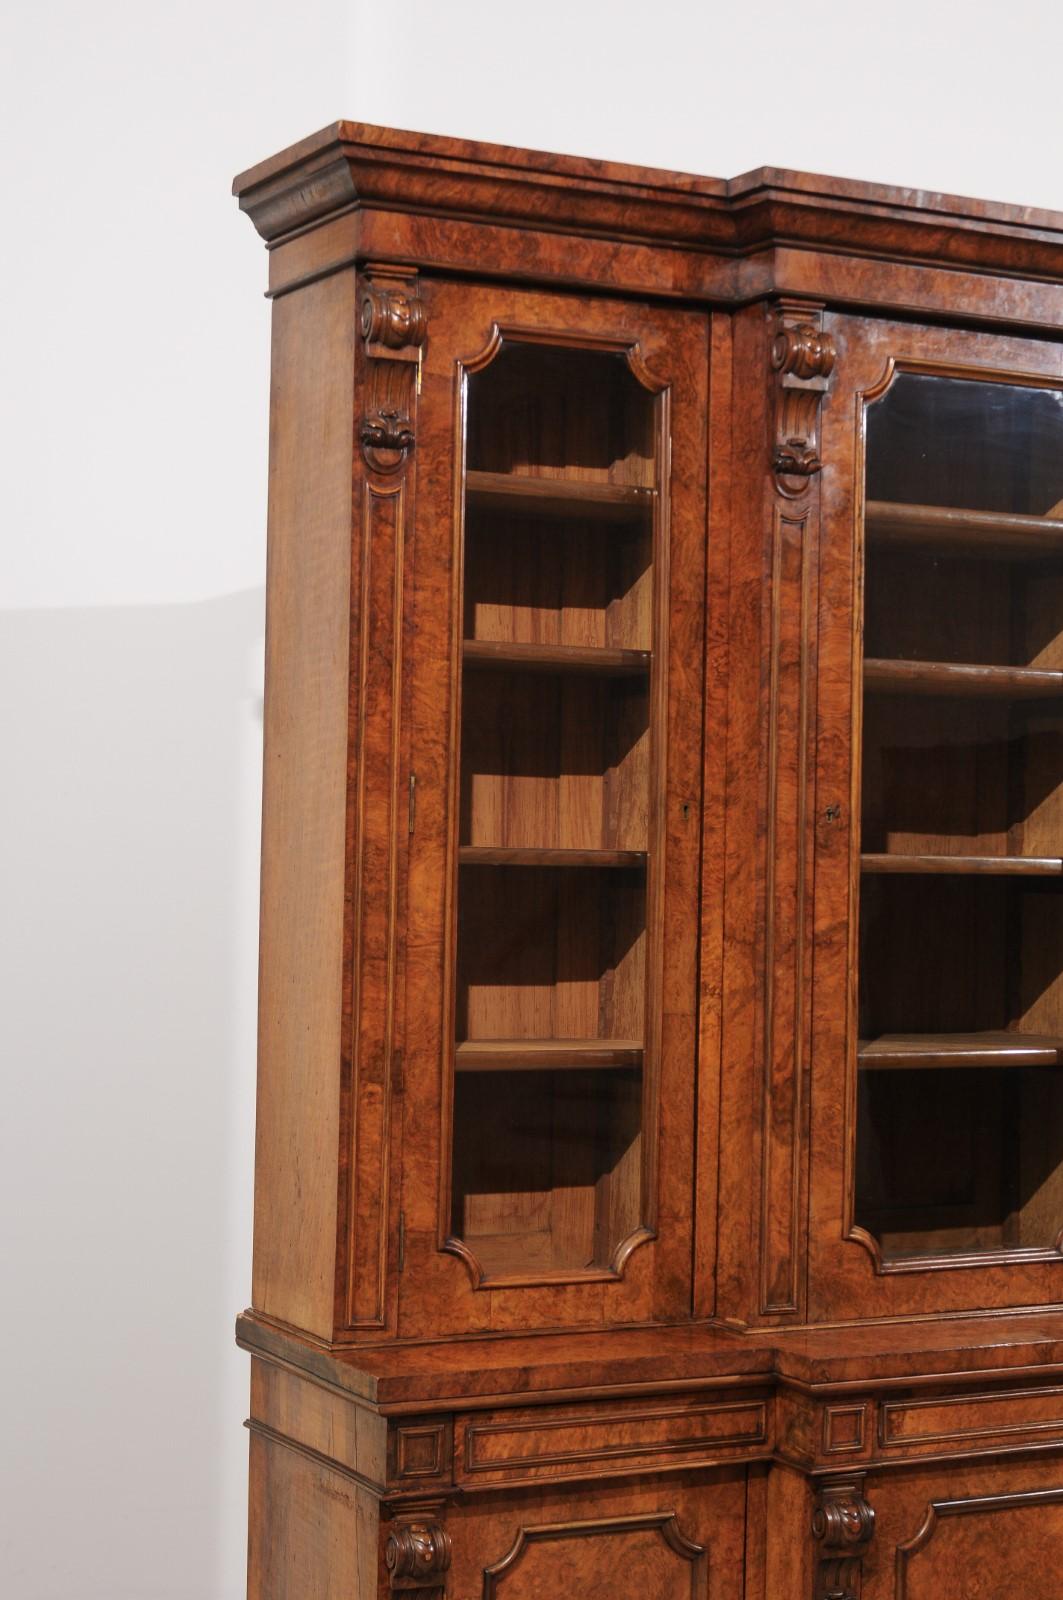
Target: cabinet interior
556	819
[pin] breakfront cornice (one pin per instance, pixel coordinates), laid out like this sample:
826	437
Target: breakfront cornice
353	165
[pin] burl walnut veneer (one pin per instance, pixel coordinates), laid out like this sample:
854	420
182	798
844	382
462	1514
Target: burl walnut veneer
659	1185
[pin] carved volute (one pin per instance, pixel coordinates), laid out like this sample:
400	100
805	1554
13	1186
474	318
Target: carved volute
417	1554
842	1524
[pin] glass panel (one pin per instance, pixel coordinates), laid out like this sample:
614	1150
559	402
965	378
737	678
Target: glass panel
556	838
960	1120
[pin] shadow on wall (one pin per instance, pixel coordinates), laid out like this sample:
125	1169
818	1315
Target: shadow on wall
131	740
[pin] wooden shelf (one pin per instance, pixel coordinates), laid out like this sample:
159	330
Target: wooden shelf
487	653
476	855
973	866
557	497
556	1055
986	533
949	678
920	1050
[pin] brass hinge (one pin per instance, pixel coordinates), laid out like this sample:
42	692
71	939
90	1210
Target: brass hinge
402	1241
413	801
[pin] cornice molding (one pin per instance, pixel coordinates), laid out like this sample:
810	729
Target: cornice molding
352	165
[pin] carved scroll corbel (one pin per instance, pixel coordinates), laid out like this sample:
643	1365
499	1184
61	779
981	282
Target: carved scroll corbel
843	1525
417	1555
802	358
394	326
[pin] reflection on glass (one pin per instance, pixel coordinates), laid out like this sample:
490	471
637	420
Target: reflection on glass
960	1106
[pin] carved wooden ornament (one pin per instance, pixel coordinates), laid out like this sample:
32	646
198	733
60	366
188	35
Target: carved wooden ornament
843	1524
417	1556
394	325
802	357
393	318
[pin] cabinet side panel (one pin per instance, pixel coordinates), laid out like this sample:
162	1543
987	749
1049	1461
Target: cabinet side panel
304	796
314	1534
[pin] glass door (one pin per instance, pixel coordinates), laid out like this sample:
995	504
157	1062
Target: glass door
555	1000
959	1136
556	663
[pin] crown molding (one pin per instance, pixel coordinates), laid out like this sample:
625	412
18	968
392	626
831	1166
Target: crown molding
352	165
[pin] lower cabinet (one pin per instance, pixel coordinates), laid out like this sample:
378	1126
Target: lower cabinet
719	1494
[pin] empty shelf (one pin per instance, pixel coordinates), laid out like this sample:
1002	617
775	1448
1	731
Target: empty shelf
989	533
476	855
509	1055
915	1050
988	866
954	678
557	497
486	653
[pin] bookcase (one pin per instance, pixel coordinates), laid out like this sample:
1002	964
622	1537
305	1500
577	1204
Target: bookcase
659	1159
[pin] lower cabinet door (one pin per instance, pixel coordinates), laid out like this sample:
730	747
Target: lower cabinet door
980	1532
678	1538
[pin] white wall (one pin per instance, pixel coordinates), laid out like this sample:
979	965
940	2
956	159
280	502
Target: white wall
135	362
131	571
934	94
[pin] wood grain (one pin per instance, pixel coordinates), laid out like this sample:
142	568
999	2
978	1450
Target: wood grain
304	806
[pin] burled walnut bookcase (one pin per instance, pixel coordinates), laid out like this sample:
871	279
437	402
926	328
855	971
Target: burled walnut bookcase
660	1128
